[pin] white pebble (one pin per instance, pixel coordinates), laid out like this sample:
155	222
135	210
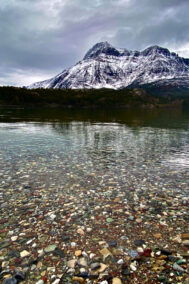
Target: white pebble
40	282
91	255
133	267
84	254
120	261
140	249
14	238
56	281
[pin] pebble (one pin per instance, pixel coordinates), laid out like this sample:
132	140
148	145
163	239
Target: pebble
105	252
95	265
9	281
133	267
186	243
50	248
78	279
82	262
72	263
116	281
102	268
56	281
40	282
178	267
185	236
133	253
120	261
140	250
80	232
78	253
24	253
92	255
112	243
14	238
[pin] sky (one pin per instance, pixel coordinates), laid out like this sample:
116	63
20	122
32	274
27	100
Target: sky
41	38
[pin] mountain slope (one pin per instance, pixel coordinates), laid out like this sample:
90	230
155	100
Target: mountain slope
104	66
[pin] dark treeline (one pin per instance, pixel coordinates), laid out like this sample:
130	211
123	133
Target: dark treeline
84	98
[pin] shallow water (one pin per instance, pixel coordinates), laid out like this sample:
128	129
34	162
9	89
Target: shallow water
128	148
82	180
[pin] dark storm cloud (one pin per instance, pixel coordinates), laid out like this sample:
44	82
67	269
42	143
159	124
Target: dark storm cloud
39	38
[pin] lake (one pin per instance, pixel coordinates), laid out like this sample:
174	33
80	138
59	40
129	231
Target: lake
120	174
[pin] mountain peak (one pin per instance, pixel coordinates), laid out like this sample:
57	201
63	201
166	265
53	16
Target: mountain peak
105	66
99	48
155	49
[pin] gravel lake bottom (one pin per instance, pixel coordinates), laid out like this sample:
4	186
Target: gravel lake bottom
91	196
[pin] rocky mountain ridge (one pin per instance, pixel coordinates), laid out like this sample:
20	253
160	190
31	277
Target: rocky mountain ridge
105	66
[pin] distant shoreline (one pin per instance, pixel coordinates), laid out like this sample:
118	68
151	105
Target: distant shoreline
86	99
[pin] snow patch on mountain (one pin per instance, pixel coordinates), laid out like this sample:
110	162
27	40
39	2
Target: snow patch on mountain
105	66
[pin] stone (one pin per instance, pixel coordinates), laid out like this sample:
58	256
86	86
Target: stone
158	236
56	281
82	262
92	255
177	239
185	236
109	220
78	253
133	253
139	243
116	281
71	263
52	216
10	281
131	218
102	268
125	271
112	243
78	279
59	252
50	248
95	265
133	267
120	261
19	275
80	232
40	282
24	253
186	243
105	252
14	238
178	267
89	230
140	250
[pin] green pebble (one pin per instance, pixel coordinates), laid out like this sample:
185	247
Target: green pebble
109	220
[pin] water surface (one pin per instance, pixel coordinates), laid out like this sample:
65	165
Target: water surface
128	148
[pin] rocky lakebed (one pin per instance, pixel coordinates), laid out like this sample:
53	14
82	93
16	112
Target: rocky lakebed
93	203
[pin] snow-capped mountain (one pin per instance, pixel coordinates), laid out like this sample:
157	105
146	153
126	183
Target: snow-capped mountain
105	66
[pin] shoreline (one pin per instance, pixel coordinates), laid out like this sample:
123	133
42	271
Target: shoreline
86	99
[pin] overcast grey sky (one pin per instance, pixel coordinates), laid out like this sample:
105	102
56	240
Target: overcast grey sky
40	38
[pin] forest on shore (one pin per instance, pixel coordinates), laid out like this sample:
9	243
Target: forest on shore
105	98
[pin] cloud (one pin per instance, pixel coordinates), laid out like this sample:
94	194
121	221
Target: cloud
20	77
50	35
